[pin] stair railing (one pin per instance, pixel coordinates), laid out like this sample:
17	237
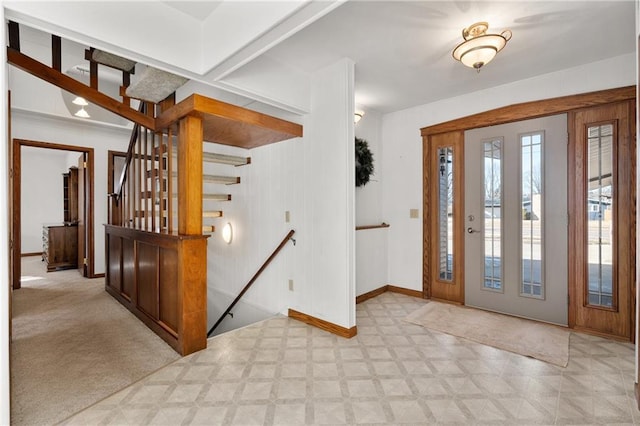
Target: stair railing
253	279
132	143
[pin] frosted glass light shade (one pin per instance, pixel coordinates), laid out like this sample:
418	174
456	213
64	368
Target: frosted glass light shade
227	233
79	100
479	48
82	113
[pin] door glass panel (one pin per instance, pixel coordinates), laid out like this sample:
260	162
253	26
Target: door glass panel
492	215
445	213
532	186
599	217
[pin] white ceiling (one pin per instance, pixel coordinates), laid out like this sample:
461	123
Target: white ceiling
196	9
402	50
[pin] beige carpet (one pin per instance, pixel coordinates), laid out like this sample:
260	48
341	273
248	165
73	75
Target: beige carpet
534	339
73	345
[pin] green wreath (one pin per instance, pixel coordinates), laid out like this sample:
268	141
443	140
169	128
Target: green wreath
364	162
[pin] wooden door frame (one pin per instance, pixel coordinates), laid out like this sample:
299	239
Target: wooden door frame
504	115
16	192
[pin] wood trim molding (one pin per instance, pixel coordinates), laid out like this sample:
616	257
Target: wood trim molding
324	325
371	294
636	393
533	109
405	291
16	189
503	115
392	288
364	227
38	253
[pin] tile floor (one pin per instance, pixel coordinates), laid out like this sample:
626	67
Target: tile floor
283	372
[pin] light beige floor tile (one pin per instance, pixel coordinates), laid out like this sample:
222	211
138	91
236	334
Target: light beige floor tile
284	372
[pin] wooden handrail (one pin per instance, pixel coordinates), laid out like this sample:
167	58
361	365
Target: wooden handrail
132	144
252	280
363	227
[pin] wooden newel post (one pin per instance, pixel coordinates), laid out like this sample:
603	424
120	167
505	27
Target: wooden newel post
192	260
190	176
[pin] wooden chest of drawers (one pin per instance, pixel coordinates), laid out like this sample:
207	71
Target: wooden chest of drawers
60	246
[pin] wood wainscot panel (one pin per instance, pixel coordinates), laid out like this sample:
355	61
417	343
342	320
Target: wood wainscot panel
114	265
147	278
128	268
168	289
166	275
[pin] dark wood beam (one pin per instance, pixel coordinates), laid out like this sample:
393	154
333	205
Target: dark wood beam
69	84
93	71
126	82
14	35
56	52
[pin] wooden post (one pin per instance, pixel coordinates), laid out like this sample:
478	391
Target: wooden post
14	35
192	288
56	52
190	176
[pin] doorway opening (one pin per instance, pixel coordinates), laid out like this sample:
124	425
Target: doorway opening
82	219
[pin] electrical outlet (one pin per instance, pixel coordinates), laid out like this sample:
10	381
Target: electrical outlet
290	285
414	213
287	216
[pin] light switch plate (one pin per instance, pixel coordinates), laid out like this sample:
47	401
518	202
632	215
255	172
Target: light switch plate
414	213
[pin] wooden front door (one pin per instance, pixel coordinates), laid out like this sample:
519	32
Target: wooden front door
444	180
602	223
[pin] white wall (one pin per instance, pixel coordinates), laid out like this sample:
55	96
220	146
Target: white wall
369	197
312	178
402	147
371	244
4	238
42	193
76	132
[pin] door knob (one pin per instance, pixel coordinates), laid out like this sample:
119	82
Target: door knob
470	230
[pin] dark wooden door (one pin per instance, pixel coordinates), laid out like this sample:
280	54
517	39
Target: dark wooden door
602	219
82	219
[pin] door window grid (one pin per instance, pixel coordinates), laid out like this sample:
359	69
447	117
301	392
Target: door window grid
445	213
600	198
531	228
492	165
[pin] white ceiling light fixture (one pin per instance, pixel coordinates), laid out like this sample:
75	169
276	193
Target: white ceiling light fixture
82	113
358	116
478	47
79	100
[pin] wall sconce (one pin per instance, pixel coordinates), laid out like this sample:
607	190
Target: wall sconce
358	116
227	233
